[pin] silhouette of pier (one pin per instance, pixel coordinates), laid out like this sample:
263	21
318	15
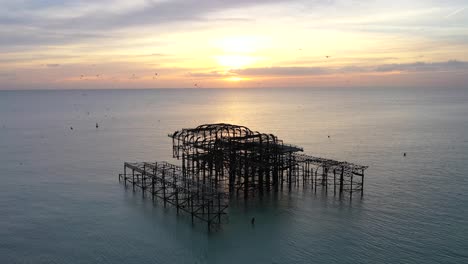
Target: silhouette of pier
223	161
168	182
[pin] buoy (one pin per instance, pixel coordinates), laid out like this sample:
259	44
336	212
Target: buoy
253	221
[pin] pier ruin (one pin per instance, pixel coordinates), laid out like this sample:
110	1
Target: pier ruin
220	162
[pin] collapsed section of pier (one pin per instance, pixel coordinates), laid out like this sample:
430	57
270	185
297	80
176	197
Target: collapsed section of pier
221	161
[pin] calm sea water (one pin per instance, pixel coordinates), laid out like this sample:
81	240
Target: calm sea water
61	202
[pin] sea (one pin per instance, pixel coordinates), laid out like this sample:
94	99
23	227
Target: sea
61	200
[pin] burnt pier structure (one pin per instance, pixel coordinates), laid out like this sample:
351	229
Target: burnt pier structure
222	161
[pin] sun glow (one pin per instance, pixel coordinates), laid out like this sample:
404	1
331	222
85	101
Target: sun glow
238	44
235	61
237	51
235	79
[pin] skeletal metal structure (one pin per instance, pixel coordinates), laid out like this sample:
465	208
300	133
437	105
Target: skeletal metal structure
220	161
168	182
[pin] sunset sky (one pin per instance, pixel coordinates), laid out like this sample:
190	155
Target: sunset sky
71	44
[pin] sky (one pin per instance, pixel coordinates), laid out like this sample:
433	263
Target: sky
91	44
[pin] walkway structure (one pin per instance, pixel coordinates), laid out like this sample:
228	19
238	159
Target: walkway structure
220	161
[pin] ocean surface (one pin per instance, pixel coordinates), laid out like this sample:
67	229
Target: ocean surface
61	201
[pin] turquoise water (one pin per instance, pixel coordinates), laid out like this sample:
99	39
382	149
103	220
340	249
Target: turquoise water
61	202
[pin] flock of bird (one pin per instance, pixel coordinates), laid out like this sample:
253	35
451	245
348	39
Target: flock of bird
156	75
82	76
97	126
133	77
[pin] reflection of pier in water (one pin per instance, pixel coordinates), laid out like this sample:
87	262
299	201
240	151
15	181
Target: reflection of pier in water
221	161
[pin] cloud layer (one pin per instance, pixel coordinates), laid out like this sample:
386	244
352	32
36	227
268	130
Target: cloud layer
52	43
452	65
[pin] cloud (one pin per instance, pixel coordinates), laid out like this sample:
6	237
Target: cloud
158	55
212	74
16	37
451	65
8	76
282	71
53	65
102	16
33	23
459	10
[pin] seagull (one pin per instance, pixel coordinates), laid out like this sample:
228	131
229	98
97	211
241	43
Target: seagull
71	128
327	56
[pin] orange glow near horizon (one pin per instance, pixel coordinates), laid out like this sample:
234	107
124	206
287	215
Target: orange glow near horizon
236	79
226	45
